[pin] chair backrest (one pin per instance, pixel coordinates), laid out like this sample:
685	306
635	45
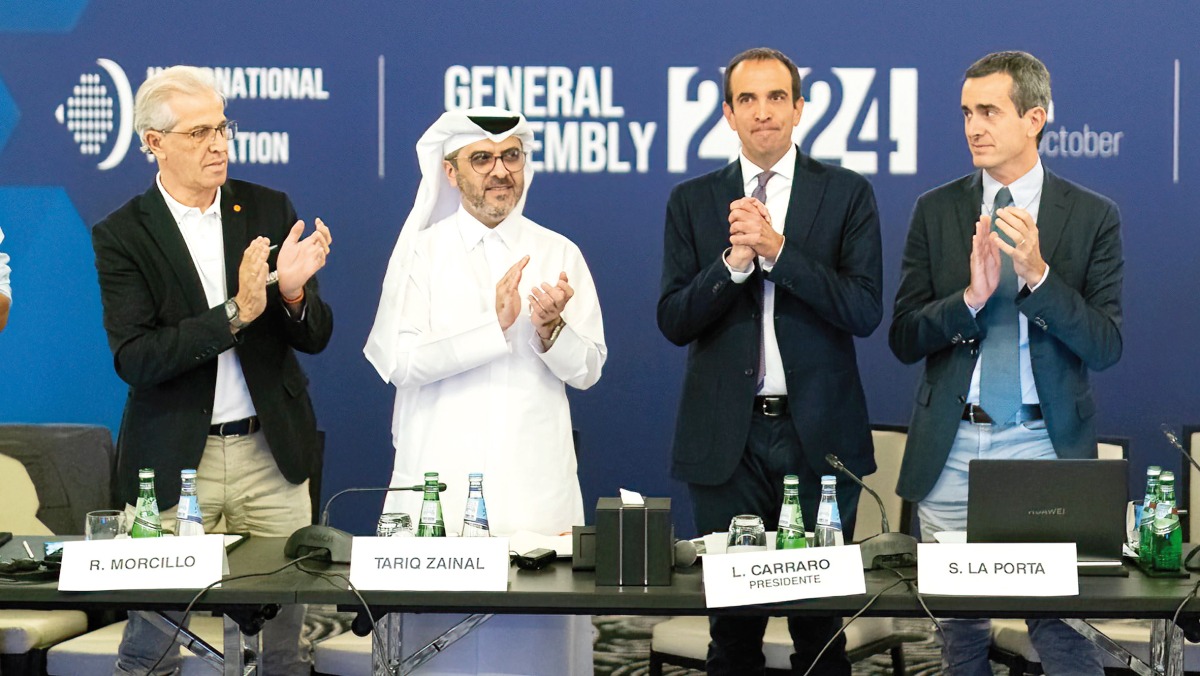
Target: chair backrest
889	443
1189	477
1112	448
18	500
71	468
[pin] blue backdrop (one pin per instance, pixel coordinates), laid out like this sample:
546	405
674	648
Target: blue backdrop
331	98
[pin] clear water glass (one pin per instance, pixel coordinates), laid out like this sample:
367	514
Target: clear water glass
105	524
746	534
394	524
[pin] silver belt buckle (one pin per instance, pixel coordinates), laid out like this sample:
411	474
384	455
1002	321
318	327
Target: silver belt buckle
766	407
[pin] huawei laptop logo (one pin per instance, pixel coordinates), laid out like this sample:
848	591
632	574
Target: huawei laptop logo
1049	511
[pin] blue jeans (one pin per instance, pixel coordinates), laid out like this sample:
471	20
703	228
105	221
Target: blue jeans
965	642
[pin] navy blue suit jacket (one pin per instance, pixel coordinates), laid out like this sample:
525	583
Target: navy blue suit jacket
828	289
1074	317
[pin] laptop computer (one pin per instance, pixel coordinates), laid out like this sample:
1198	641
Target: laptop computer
1080	501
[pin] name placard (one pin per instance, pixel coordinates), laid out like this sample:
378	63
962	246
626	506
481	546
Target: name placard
782	575
1045	569
429	564
142	563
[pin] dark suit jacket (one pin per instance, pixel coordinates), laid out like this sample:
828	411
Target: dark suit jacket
1074	317
828	290
165	339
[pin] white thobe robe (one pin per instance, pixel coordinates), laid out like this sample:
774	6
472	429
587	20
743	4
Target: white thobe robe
473	398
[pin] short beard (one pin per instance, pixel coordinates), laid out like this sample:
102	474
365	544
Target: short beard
479	204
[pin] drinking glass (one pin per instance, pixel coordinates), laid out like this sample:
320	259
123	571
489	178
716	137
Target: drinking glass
394	524
105	524
746	534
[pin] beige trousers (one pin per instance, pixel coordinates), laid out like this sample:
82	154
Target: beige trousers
241	490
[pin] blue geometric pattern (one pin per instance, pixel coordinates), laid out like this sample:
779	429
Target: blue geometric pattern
8	114
58	366
41	16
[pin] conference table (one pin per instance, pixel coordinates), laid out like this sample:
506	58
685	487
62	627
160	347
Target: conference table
558	589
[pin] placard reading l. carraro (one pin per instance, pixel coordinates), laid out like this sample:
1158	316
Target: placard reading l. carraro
142	563
429	564
783	575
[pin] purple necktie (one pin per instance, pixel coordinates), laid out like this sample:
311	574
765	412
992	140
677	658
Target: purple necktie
760	194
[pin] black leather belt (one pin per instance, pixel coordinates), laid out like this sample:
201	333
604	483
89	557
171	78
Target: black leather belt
235	428
772	407
975	414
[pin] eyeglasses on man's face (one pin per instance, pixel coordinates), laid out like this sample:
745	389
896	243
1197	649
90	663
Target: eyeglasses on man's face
483	162
201	135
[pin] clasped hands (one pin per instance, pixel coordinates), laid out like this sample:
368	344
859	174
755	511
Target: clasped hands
751	234
546	302
297	262
986	247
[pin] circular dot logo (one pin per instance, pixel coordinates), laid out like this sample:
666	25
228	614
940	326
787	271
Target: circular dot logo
99	114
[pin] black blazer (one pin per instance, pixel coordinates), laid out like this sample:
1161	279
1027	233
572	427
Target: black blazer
1074	317
165	338
828	289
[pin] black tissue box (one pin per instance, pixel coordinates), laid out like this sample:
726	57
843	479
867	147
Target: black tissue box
634	543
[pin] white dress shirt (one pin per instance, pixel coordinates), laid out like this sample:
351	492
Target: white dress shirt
1026	194
779	192
201	232
473	398
5	288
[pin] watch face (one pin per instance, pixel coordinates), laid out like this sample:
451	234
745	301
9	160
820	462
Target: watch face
231	309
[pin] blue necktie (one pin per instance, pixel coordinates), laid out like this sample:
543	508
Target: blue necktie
1000	373
760	194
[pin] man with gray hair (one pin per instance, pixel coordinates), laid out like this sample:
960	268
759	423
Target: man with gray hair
1008	273
204	317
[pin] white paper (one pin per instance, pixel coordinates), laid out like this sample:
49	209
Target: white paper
782	575
631	498
142	563
430	564
993	569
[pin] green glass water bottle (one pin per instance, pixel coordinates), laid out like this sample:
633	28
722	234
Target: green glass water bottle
1167	537
790	534
432	525
1145	527
146	521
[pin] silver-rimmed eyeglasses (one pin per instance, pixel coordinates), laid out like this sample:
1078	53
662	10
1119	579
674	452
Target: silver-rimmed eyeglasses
200	135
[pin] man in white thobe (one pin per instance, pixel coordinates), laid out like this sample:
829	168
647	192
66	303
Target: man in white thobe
485	318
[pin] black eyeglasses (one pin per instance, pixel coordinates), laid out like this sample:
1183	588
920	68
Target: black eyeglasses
200	135
483	162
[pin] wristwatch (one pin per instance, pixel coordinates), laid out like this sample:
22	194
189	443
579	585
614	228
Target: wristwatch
557	330
232	313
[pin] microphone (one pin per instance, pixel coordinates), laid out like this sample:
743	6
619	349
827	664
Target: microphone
687	552
373	489
1170	434
332	544
887	549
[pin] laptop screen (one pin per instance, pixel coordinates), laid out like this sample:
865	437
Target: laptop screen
1080	501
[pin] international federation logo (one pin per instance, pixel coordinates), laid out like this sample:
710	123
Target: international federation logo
99	113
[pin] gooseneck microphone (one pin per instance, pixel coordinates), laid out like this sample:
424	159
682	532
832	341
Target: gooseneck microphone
887	549
1171	437
835	463
332	544
372	489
